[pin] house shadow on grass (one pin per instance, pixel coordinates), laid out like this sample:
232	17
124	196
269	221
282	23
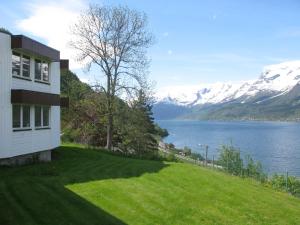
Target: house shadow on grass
36	194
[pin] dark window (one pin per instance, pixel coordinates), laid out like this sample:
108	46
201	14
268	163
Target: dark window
46	116
21	116
26	116
26	66
16	64
38	116
42	116
38	69
16	116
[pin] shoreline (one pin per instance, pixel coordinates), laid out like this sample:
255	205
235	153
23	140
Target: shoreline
263	121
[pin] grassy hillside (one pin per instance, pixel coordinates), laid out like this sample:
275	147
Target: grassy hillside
88	187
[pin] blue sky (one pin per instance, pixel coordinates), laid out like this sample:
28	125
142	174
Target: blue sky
197	42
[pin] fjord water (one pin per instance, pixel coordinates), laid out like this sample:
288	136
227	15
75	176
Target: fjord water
275	144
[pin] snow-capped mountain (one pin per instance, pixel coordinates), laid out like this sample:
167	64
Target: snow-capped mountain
275	80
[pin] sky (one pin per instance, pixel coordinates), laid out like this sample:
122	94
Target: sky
197	42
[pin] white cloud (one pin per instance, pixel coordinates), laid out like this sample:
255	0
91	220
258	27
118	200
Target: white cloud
170	52
51	21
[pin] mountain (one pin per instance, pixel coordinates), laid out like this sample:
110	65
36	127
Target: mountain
275	95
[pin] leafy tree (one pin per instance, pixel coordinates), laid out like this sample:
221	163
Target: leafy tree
85	120
115	40
81	122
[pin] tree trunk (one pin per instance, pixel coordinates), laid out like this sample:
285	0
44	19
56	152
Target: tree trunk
109	99
109	131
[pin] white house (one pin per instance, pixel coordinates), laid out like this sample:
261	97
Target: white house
29	100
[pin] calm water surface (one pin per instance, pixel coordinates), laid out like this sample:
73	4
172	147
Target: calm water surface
275	144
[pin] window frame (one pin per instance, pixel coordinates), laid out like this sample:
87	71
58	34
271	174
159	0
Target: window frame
42	126
22	56
21	127
42	62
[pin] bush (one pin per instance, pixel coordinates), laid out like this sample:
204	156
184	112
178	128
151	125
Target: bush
197	156
291	185
171	157
230	159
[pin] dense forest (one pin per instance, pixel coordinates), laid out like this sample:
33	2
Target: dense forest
85	120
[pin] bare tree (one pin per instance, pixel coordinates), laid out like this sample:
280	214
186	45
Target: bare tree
115	39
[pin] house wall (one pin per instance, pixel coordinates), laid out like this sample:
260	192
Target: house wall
25	142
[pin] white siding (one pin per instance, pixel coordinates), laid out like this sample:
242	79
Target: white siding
24	142
5	87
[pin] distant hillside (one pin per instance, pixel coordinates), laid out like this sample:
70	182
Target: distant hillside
275	95
169	111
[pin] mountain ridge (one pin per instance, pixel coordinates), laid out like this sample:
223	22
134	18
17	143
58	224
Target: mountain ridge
265	98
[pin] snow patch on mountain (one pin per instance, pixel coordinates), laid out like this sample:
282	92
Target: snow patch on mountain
276	79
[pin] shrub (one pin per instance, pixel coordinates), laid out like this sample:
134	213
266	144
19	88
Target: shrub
171	157
230	159
197	156
281	183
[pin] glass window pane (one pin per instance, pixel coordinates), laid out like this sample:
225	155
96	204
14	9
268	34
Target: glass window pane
26	66
16	116
45	72
38	116
38	66
26	116
16	64
46	113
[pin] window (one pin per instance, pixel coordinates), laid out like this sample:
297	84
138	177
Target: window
21	116
38	65
45	72
46	116
26	115
16	64
42	116
16	116
41	71
38	116
26	66
20	65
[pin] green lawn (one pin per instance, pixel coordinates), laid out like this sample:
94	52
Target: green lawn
88	187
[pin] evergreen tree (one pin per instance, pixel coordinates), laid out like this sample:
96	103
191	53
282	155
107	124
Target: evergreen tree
139	133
